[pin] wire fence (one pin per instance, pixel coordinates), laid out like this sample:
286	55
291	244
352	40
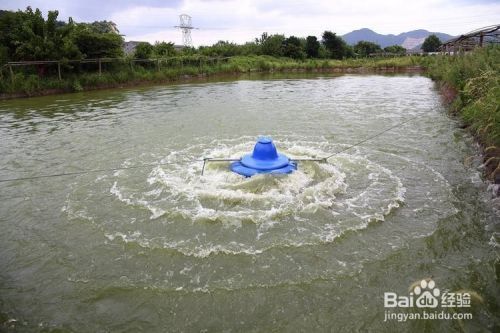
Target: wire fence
158	63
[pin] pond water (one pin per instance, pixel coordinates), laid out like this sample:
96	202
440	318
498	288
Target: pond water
162	248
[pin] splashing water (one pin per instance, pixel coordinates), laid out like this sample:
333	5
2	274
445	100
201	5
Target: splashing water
313	205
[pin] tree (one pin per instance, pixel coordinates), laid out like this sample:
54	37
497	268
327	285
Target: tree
364	48
431	44
396	49
26	35
164	49
292	47
272	45
221	48
251	48
104	27
143	50
312	47
98	45
335	45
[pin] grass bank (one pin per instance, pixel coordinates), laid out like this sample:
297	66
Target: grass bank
27	82
471	83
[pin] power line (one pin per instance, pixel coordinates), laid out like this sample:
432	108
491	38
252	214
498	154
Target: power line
204	160
90	171
371	137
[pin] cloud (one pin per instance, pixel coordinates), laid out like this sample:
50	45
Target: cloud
87	10
241	21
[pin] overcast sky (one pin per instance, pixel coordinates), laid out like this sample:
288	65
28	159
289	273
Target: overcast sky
241	21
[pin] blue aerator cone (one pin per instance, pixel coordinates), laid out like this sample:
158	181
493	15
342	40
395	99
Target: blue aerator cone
264	159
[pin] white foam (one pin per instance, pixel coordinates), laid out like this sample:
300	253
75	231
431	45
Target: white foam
316	204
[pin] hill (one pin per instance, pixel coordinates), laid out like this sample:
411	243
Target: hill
410	40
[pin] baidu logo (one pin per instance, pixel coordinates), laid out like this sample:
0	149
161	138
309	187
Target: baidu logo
424	298
425	294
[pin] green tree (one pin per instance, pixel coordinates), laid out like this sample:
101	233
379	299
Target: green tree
104	27
10	26
188	51
98	45
26	35
431	44
364	48
312	47
292	47
396	49
335	45
272	45
33	39
143	50
251	48
163	49
221	48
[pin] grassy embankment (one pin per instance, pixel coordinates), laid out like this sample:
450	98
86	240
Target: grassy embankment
27	82
471	83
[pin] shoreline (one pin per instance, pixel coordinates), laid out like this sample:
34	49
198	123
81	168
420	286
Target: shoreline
187	78
489	154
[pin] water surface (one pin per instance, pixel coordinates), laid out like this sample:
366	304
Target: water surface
162	248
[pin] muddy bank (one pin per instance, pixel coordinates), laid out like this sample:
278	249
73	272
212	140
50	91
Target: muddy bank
490	154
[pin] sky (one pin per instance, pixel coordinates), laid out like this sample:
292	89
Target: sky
242	21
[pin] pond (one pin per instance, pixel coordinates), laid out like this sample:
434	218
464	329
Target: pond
163	248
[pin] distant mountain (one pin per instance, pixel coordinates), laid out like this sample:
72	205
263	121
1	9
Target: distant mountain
410	40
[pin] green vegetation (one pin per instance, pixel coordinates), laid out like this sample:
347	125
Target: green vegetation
431	44
143	50
395	49
26	35
476	78
336	46
364	48
75	78
312	47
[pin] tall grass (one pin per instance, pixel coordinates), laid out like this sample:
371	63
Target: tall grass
76	78
476	78
26	83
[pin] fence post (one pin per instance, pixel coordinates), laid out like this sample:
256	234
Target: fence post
11	74
59	70
99	60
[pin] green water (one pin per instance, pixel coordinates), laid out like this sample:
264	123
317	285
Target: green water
162	248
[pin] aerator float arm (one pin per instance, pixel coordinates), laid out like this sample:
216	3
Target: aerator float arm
210	159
